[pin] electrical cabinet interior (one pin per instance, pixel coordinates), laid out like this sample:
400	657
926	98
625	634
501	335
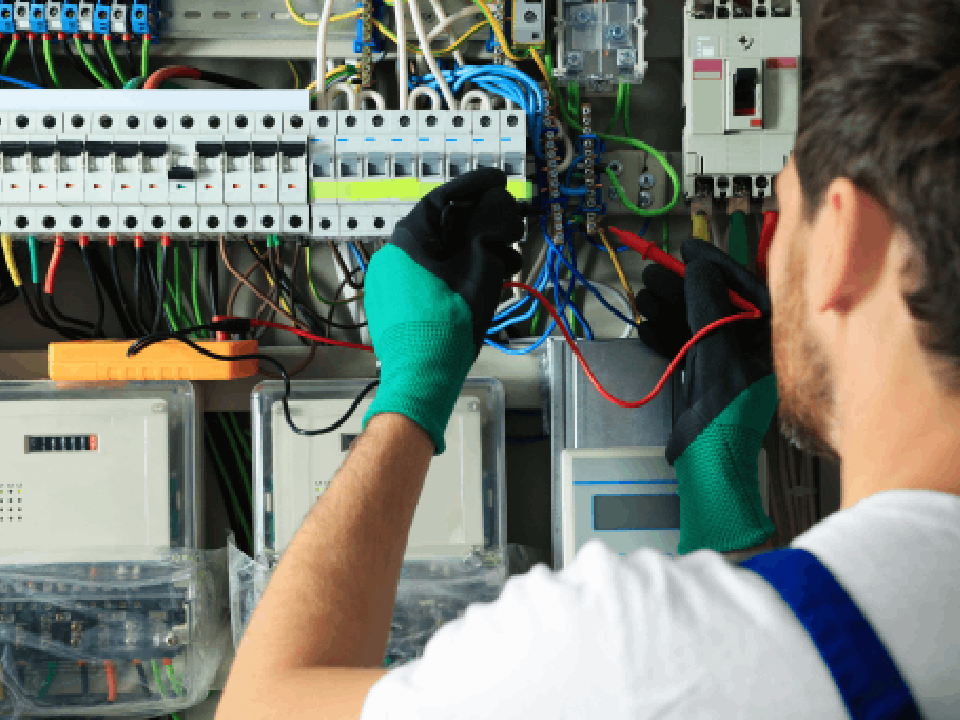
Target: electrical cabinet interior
741	95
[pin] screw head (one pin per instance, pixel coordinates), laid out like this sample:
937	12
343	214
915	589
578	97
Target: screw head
160	122
296	122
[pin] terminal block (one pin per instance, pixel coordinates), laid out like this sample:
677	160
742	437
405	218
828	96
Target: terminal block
335	174
741	95
600	44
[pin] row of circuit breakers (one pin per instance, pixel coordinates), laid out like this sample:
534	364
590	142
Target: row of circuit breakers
326	174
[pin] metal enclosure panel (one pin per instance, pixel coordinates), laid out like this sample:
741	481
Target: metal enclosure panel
582	418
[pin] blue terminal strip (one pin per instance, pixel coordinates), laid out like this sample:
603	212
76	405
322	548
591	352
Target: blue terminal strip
101	19
7	24
38	18
376	38
69	18
140	18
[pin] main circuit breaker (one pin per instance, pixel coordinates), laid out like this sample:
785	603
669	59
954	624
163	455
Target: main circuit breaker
99	530
741	89
184	164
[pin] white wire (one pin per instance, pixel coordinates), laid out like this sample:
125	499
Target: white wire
432	94
402	79
428	55
568	152
322	26
475	95
378	102
447	22
442	16
342	88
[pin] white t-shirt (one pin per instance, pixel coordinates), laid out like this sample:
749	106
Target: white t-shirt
650	636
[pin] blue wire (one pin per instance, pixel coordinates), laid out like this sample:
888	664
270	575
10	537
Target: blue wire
359	258
21	83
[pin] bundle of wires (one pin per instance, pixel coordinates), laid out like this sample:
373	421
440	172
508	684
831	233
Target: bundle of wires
506	82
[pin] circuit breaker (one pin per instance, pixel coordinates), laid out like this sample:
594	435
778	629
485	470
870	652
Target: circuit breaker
741	94
249	162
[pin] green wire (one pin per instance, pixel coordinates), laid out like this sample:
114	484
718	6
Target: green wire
619	109
174	680
51	674
145	58
34	269
176	284
9	58
174	716
237	456
86	61
639	144
666	235
626	110
240	436
158	678
108	44
223	473
316	294
195	290
50	68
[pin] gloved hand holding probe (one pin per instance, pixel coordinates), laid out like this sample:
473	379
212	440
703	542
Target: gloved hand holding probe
431	292
728	399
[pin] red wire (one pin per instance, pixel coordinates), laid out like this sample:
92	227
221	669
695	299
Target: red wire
168	73
310	336
755	315
770	219
51	277
111	680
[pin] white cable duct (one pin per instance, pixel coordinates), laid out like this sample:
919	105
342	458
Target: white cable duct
342	88
322	49
428	55
478	95
433	95
442	16
402	78
376	98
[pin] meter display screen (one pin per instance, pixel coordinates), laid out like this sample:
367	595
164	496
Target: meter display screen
636	512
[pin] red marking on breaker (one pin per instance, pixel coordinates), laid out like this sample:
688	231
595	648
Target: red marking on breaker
756	122
262	186
781	63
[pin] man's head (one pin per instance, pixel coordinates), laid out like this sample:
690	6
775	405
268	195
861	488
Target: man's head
868	242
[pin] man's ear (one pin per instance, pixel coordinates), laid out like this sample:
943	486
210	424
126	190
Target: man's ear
848	248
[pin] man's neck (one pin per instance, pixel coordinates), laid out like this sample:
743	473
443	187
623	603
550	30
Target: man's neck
901	433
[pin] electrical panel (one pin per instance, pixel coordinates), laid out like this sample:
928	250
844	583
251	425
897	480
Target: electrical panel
154	164
600	44
458	512
741	95
103	603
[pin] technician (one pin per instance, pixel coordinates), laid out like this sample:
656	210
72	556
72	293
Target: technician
859	618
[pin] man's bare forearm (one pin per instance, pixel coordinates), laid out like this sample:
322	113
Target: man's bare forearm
331	598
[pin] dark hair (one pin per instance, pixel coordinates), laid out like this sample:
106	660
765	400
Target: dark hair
881	107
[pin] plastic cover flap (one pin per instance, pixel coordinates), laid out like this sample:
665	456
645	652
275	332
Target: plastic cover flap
430	593
111	639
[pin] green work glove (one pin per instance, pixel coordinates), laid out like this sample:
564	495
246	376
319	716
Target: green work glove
728	398
431	292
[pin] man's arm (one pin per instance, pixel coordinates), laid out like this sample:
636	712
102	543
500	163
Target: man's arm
326	613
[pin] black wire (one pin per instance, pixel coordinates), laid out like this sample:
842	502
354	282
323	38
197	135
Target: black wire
81	69
284	282
124	308
155	294
213	278
162	284
137	273
111	294
46	321
101	61
144	683
228	81
181	336
131	66
84	679
33	59
98	325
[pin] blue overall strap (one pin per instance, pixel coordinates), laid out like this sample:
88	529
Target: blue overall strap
868	679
